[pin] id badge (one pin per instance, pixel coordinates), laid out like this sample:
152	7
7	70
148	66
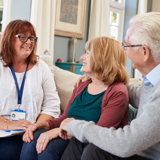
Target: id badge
18	115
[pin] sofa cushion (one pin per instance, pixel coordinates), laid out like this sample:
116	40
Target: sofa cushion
132	113
135	81
64	80
46	57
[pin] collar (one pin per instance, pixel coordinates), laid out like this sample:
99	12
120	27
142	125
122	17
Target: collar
152	77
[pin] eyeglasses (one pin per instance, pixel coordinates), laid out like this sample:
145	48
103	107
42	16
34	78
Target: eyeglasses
125	46
24	38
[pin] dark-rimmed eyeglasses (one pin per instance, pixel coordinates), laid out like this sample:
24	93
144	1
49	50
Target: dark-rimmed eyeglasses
124	45
24	38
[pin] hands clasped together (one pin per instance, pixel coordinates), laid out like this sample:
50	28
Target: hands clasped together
47	136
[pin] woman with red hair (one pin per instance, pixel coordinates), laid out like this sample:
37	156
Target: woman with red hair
27	90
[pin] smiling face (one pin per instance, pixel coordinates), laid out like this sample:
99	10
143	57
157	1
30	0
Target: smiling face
23	49
13	49
86	62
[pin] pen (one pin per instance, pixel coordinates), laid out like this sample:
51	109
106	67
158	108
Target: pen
14	130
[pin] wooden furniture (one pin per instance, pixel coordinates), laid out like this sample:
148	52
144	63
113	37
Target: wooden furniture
72	67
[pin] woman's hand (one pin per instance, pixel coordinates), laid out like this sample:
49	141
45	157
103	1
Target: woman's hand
63	129
28	136
44	139
20	124
83	78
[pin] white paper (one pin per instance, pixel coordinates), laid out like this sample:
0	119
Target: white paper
11	133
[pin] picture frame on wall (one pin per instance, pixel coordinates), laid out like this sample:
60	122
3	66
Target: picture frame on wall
70	18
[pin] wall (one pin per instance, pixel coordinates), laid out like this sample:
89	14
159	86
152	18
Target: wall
149	6
62	44
20	9
130	11
156	6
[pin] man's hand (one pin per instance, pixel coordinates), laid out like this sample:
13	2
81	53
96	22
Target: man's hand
63	129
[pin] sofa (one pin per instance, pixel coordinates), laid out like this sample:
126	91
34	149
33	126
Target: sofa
65	81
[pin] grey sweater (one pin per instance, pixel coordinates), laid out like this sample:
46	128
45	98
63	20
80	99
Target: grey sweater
141	137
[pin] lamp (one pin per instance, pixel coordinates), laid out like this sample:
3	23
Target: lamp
73	50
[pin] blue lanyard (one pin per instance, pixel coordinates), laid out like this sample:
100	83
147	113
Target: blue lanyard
20	92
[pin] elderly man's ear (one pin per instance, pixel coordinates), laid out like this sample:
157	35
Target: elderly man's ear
146	53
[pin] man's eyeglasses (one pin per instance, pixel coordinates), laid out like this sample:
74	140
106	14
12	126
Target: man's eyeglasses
24	38
124	45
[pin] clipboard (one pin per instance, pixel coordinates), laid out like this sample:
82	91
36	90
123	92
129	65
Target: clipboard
10	133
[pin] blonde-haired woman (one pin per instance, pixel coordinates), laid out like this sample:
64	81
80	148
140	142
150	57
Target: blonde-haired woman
104	63
103	99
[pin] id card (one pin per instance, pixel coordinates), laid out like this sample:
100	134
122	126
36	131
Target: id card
18	115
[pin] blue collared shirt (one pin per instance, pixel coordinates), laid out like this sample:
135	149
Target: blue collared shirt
152	77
